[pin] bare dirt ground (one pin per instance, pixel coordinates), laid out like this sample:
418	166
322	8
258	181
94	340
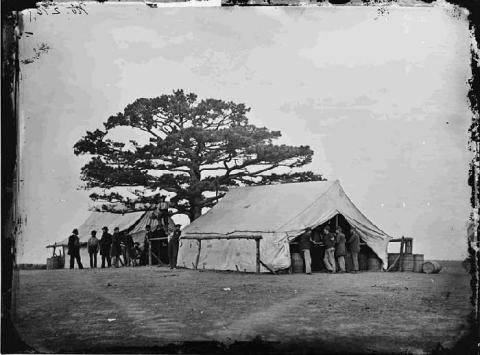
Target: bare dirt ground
161	310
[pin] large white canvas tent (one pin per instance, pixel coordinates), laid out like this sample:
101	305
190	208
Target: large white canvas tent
133	223
277	213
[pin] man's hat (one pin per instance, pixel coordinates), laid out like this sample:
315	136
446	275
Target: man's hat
75	231
104	227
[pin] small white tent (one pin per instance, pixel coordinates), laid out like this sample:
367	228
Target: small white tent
277	213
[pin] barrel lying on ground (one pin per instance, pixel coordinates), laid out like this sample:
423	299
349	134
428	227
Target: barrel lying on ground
431	267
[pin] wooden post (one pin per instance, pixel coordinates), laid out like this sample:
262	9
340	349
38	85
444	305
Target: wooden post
198	255
257	242
149	253
402	245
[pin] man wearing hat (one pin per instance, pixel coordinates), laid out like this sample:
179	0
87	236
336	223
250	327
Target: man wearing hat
92	246
173	243
304	245
105	244
329	241
116	249
354	243
74	249
163	211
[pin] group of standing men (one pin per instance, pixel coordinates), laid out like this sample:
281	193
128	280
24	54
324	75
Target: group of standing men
114	247
117	246
335	249
111	248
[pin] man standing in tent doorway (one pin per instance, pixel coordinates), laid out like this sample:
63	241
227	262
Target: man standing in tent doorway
354	243
340	249
173	242
329	258
162	211
74	249
105	245
304	246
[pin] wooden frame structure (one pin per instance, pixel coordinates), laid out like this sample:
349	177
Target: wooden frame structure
406	247
200	237
151	253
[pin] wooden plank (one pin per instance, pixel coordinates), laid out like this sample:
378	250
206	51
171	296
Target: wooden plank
227	237
198	255
402	245
266	267
399	239
394	263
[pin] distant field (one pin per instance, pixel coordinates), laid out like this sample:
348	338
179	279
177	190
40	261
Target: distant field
129	309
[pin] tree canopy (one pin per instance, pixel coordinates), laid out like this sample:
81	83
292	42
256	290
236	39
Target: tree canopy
195	149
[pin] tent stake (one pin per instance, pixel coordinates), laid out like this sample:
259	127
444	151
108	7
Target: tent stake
149	253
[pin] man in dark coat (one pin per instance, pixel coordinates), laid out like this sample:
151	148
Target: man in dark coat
92	246
329	241
354	244
74	249
157	244
116	249
173	244
146	245
128	252
340	249
105	245
304	245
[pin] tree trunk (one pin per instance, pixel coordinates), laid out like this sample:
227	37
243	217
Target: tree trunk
195	212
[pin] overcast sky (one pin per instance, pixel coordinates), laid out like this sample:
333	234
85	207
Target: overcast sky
381	101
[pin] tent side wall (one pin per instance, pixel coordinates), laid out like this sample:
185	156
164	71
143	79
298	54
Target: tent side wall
235	254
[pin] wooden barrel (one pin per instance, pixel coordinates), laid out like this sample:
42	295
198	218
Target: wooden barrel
55	262
431	267
392	257
417	262
374	263
407	262
362	261
297	263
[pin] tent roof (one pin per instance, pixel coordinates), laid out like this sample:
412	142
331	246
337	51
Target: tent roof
134	222
97	220
278	208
